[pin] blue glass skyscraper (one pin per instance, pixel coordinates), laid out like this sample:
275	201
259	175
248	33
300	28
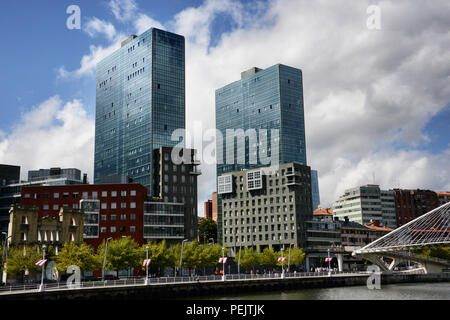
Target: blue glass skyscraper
263	99
315	189
140	101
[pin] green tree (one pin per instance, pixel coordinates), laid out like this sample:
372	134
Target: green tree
209	255
440	253
206	230
191	255
158	253
297	256
81	255
250	258
21	259
122	254
268	257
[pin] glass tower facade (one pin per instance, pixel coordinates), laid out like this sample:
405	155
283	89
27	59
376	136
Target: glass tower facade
263	99
315	189
140	101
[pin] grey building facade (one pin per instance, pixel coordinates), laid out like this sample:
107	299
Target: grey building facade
266	207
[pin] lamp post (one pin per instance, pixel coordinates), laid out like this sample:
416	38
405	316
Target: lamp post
282	263
104	259
5	256
41	287
146	268
181	255
223	263
329	263
289	260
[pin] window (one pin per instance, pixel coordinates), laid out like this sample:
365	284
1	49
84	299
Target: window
113	217
123	217
45	207
113	229
133	205
123	205
133	193
122	229
94	195
56	195
55	207
132	229
104	194
123	193
103	217
113	193
104	205
113	205
85	195
103	229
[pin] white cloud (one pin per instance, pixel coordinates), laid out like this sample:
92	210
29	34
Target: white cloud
364	90
96	26
123	10
52	134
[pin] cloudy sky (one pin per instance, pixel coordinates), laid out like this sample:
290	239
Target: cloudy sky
377	100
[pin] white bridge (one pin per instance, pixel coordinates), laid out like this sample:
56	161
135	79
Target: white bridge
430	230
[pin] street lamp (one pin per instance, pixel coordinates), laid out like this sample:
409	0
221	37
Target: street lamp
223	263
146	269
289	260
41	288
329	263
104	259
181	256
5	256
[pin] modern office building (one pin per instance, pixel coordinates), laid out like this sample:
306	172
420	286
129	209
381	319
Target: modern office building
270	102
54	173
140	101
176	183
9	174
266	207
315	189
365	204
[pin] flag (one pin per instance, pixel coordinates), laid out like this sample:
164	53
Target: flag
281	259
328	259
40	263
146	262
223	260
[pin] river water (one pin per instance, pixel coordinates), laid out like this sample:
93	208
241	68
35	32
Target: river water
412	291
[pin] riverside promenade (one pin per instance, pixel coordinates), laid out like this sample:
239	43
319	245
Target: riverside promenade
191	287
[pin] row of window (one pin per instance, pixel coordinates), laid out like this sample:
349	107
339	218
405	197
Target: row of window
273	237
85	195
113	217
114	229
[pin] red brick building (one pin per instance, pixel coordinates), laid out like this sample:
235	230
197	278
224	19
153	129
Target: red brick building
208	209
118	208
410	204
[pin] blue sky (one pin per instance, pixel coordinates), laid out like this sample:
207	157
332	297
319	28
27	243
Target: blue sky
369	106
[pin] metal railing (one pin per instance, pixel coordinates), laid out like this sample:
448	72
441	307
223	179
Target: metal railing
170	280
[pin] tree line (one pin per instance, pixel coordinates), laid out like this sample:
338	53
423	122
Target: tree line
126	254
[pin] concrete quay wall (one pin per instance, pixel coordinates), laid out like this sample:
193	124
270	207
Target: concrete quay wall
192	290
